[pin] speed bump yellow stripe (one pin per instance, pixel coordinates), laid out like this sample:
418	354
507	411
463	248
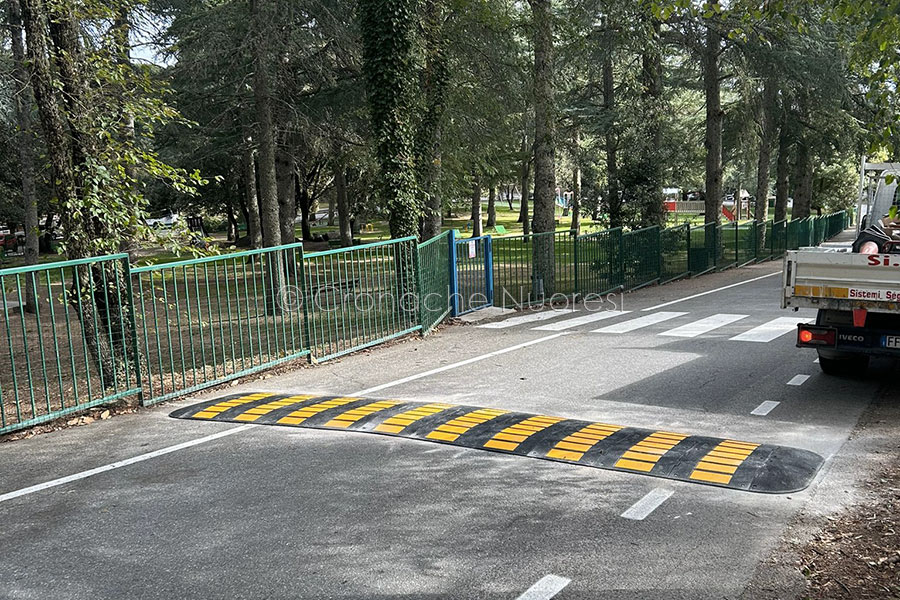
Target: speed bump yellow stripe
644	455
352	416
211	412
512	436
449	431
298	416
398	423
720	463
264	409
573	446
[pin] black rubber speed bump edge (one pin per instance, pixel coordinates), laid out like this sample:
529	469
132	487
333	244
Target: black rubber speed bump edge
727	463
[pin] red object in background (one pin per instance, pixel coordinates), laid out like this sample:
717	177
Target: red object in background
728	214
669	205
859	317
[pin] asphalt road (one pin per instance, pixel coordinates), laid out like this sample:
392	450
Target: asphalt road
277	512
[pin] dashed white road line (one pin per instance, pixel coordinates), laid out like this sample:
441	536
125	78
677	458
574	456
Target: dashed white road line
771	330
798	380
764	408
723	288
582	320
546	587
646	505
640	322
703	325
527	318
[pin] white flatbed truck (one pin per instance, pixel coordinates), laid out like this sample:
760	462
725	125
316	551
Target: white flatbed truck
858	299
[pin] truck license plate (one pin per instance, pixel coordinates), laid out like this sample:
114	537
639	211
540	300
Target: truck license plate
891	341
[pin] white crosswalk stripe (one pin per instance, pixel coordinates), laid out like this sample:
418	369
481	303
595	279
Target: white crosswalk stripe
703	325
527	318
772	330
582	320
645	321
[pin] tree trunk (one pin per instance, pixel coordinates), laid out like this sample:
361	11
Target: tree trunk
713	140
287	201
476	207
304	203
343	205
652	210
254	229
434	200
524	183
782	169
268	185
766	139
803	170
492	206
544	150
25	142
576	183
232	233
509	195
613	201
524	176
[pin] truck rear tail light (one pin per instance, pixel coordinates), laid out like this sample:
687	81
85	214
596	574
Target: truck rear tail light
816	336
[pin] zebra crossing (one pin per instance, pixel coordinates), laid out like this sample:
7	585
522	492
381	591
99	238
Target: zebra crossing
675	325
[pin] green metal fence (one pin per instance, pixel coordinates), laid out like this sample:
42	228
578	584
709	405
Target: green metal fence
100	330
434	280
598	262
530	269
73	347
674	248
204	321
641	257
703	249
361	296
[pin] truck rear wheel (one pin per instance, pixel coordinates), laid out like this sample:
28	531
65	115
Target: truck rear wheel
851	365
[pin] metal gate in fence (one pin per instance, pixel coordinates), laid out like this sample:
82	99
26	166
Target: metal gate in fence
474	274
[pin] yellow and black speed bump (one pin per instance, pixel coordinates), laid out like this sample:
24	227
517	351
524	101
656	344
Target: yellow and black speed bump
697	459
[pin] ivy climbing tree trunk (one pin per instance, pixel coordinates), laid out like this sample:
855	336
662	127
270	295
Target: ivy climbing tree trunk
25	140
343	203
782	172
544	149
576	183
388	29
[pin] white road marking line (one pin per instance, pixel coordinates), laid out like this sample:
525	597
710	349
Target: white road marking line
764	408
798	380
168	450
815	362
646	505
727	287
771	330
547	587
528	318
582	320
120	463
455	365
703	325
640	322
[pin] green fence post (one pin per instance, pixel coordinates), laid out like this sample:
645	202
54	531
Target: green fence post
134	337
576	291
658	253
